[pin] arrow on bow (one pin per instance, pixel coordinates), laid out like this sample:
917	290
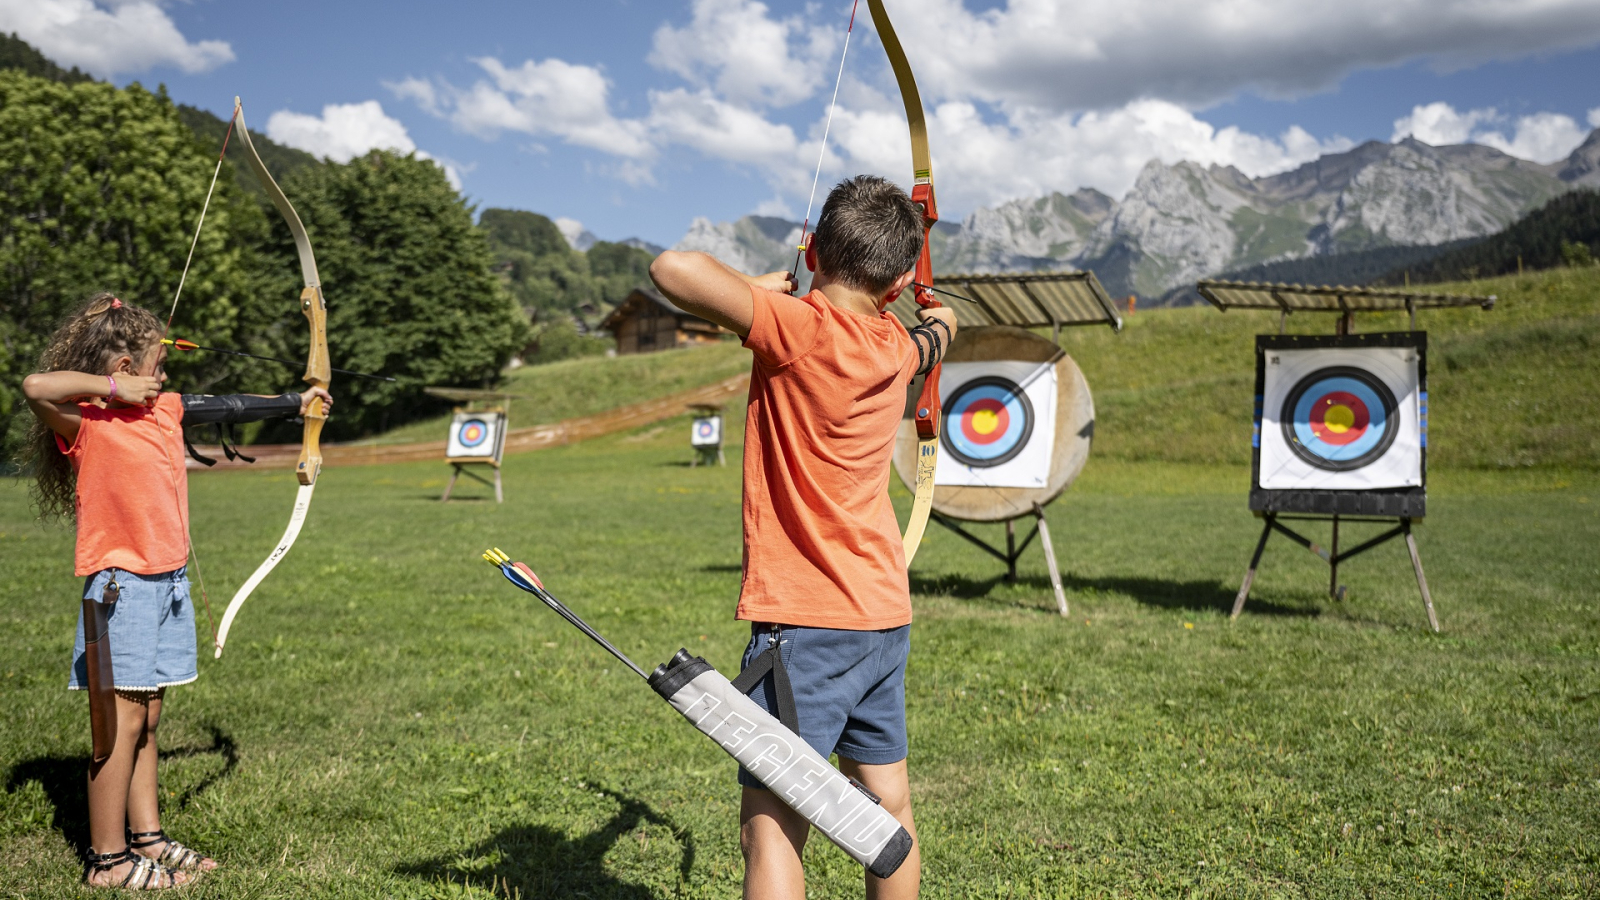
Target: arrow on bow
318	374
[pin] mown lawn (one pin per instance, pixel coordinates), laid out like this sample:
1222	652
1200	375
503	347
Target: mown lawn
392	720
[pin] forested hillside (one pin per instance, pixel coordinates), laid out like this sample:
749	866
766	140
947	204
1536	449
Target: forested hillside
124	173
566	292
1565	231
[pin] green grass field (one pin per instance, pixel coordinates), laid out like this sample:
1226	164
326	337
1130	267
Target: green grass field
392	719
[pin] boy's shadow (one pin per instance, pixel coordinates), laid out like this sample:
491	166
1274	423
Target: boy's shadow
538	861
65	780
1202	596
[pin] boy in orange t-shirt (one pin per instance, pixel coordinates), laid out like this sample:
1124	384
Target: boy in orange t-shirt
824	569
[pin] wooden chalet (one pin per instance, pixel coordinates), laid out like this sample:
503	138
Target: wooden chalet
646	322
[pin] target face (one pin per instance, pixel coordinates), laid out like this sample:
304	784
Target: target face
706	432
473	433
988	422
476	435
1339	418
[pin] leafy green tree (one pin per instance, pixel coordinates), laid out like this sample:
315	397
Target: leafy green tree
408	283
100	188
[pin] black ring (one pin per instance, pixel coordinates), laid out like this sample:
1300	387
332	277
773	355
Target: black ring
1010	387
1390	420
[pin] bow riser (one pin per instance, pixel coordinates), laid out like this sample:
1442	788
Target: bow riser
318	374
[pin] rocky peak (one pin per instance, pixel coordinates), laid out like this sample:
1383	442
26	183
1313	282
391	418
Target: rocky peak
1582	167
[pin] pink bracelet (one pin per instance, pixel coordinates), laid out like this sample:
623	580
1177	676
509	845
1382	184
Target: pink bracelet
113	382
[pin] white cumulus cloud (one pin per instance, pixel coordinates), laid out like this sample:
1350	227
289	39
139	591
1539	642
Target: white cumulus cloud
110	39
345	131
1070	54
734	47
1594	117
549	97
1543	137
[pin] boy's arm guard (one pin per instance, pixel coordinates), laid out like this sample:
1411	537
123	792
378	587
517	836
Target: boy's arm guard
837	806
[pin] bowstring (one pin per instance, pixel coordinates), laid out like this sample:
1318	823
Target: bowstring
822	152
188	532
204	208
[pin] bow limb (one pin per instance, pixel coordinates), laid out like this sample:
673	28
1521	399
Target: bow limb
927	408
318	374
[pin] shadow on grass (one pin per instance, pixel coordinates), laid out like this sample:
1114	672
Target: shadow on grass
1166	593
537	861
65	782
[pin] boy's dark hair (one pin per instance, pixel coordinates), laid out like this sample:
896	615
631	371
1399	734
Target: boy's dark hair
869	233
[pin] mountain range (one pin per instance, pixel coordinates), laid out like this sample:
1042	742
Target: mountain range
1185	221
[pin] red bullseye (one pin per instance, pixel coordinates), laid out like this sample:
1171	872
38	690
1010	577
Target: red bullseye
985	421
1339	418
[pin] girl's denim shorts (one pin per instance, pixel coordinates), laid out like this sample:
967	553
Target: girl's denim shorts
151	627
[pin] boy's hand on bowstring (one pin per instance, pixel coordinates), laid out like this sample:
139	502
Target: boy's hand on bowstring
312	393
782	282
136	390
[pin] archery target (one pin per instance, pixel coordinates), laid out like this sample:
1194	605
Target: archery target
706	432
999	423
474	435
1341	418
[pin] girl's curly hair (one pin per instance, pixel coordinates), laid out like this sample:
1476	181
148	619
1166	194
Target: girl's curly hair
90	340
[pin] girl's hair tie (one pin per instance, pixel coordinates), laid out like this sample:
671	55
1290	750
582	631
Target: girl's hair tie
116	303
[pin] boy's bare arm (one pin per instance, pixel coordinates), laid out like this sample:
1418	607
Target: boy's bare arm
698	283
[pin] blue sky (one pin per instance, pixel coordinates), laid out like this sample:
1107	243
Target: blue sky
634	117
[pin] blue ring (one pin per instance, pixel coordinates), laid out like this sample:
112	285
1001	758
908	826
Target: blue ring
1019	410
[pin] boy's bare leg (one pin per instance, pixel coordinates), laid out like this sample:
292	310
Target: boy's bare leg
771	836
892	786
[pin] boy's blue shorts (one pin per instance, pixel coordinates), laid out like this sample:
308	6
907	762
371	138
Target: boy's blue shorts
849	689
151	628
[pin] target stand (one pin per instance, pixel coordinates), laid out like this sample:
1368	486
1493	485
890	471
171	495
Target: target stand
705	435
1018	420
476	439
1340	429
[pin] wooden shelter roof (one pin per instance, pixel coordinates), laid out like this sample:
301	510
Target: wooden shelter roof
1293	298
1030	300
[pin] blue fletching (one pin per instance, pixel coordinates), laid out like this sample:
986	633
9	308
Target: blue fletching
516	578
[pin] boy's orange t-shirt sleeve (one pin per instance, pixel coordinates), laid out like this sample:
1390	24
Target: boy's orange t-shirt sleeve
783	328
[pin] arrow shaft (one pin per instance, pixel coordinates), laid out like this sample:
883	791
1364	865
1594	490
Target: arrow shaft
287	362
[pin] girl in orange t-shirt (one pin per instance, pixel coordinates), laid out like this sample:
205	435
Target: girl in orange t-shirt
108	451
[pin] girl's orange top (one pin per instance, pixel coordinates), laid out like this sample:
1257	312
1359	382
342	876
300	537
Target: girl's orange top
133	489
827	390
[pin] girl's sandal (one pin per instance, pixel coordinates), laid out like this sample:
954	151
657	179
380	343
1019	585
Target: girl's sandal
143	874
173	854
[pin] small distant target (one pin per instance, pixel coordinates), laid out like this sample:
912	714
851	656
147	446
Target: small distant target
988	422
1339	418
473	432
706	432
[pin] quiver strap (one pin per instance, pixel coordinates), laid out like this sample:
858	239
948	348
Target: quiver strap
771	660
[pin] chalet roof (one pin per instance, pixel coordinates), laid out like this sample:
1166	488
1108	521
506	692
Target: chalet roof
1031	300
1292	298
